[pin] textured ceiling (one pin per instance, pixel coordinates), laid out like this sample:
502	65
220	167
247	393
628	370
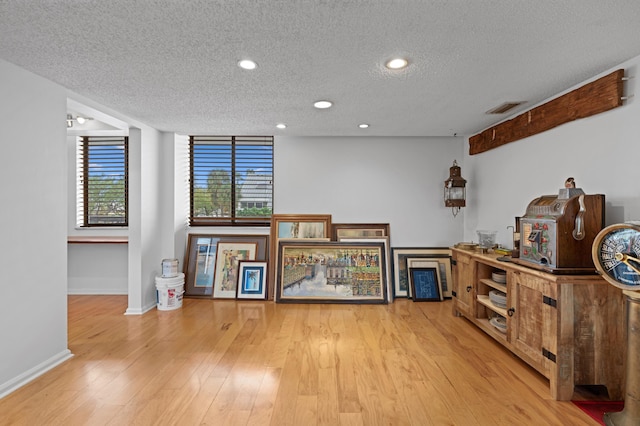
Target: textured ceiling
172	64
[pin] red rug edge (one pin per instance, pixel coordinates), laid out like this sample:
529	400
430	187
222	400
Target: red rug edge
596	409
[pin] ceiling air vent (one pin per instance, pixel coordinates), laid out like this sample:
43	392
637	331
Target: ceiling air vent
505	107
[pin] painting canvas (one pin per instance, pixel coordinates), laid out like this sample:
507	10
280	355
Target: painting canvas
331	272
385	241
357	230
444	269
301	230
425	283
205	257
228	257
252	280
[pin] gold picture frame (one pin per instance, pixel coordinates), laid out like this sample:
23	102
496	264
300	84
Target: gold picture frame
359	230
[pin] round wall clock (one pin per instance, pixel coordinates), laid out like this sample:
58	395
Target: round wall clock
616	255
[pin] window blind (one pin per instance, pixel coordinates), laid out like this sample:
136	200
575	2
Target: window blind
231	180
103	181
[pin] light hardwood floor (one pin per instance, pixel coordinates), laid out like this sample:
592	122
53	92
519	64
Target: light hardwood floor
219	362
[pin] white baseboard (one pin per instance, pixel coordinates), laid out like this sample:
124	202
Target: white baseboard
96	292
33	373
141	311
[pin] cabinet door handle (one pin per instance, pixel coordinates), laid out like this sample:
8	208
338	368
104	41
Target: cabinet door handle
469	289
511	311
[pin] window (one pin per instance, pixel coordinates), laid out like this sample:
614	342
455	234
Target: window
102	181
231	180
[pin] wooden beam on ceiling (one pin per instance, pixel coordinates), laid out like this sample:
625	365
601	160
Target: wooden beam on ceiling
593	98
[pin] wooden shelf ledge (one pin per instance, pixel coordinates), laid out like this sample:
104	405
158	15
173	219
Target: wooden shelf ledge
82	239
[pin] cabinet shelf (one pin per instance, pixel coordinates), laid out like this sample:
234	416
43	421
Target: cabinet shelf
484	300
491	283
488	328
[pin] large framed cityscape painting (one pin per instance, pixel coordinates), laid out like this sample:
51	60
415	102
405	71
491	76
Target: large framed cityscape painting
331	272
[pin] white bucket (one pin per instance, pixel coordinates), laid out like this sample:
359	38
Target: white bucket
169	268
169	292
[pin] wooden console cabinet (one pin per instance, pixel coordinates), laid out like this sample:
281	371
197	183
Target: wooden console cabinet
570	328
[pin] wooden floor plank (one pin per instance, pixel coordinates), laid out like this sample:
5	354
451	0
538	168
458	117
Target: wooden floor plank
231	362
328	412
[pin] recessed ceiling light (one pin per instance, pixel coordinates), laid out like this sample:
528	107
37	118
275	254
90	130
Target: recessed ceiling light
396	63
281	126
322	104
247	64
363	125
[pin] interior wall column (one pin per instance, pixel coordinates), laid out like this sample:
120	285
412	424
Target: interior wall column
135	223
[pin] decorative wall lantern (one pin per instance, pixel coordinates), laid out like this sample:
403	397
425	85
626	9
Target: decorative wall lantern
454	189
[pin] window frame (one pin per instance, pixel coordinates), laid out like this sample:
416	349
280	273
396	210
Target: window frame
84	183
232	219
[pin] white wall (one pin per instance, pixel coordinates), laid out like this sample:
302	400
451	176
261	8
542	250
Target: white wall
33	221
391	180
98	269
600	152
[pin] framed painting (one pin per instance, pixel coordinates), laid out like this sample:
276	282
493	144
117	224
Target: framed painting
294	227
385	241
228	257
331	272
400	274
425	283
444	268
252	280
199	261
359	230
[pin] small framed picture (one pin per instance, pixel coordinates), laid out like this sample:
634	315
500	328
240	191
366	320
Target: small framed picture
252	280
444	266
228	257
425	284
